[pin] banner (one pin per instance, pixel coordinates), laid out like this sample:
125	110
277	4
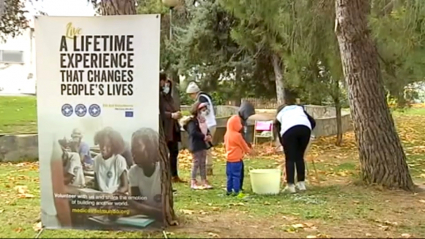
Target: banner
97	103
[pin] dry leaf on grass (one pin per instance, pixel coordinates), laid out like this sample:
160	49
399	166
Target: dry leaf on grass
21	189
23	192
213	235
422	201
187	212
406	235
215	208
37	227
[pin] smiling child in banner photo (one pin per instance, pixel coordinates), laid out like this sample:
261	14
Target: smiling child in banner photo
145	175
110	167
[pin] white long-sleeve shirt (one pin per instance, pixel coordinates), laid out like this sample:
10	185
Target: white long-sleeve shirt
291	116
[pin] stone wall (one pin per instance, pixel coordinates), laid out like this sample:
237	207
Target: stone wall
14	148
324	116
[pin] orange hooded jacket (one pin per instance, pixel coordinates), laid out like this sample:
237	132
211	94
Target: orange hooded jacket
235	145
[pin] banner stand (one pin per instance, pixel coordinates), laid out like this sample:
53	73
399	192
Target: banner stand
40	232
164	233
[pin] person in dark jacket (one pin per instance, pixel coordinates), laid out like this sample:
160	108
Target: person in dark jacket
170	116
199	142
246	110
294	126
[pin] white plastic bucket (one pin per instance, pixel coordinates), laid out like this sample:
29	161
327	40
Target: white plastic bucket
265	181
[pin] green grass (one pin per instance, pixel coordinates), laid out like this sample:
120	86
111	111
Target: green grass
18	115
339	206
332	208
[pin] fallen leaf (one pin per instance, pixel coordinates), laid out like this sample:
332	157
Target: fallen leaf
298	225
213	234
37	227
391	223
187	212
422	201
26	195
1	210
310	229
308	224
215	208
406	235
18	230
384	228
21	189
368	234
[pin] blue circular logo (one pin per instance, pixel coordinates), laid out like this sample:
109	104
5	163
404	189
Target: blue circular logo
94	110
67	110
80	110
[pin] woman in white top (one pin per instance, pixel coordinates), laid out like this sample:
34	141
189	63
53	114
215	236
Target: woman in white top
145	175
294	126
110	167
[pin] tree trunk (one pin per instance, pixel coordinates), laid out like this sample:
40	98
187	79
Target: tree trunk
128	7
338	114
278	76
176	88
118	7
381	154
239	89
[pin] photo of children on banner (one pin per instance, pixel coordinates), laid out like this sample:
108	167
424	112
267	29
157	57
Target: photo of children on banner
131	194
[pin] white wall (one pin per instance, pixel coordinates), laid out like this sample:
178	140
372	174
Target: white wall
14	77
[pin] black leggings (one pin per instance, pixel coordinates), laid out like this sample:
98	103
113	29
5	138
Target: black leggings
295	141
173	149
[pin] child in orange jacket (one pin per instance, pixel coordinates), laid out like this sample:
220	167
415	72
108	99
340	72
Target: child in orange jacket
236	148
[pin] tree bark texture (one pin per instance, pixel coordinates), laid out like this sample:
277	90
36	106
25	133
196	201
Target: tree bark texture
338	114
118	7
128	7
176	89
382	158
278	75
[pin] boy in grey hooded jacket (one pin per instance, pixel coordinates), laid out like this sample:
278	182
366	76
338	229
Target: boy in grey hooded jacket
246	110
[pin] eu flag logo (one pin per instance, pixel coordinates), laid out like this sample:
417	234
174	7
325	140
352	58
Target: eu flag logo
129	114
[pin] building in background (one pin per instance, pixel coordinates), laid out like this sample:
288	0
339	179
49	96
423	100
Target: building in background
17	55
17	63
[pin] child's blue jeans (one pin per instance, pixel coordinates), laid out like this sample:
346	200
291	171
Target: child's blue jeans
234	176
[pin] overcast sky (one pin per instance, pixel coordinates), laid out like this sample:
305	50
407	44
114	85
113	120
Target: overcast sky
65	7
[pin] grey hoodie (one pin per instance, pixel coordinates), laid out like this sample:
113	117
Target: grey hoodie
245	111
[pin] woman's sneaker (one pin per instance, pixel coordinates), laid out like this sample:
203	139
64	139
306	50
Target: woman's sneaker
194	185
301	186
290	188
206	185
